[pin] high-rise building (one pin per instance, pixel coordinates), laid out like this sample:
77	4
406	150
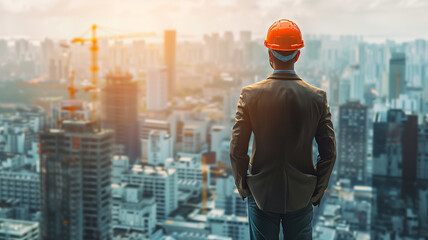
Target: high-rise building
4	50
18	133
227	47
157	89
160	147
395	145
313	49
422	168
20	185
192	138
357	83
120	164
218	134
230	99
147	125
169	56
75	179
344	90
352	141
246	45
400	201
35	115
119	111
397	75
22	48
161	182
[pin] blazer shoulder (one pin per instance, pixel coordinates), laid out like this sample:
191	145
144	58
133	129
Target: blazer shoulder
252	88
318	93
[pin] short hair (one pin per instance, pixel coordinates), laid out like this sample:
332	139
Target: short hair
283	53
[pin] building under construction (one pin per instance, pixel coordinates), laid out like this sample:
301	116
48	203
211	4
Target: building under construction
75	179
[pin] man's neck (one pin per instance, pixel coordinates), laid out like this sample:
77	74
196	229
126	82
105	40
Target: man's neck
291	67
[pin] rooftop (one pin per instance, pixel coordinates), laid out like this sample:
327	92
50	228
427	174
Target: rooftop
16	227
152	170
219	214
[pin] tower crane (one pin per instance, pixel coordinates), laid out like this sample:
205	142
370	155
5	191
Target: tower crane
93	68
94	61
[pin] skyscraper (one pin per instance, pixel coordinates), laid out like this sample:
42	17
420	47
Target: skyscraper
193	139
401	193
169	55
119	111
397	74
157	89
160	147
75	179
352	141
148	125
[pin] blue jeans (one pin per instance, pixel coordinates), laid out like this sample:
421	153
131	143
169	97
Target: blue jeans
265	224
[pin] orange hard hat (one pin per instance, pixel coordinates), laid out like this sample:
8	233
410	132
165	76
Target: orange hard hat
284	35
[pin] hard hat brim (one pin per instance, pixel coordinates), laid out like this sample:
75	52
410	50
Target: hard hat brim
278	47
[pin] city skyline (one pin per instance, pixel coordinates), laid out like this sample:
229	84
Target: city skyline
130	139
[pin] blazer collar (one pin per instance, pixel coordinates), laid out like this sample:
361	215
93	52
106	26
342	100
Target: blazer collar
284	76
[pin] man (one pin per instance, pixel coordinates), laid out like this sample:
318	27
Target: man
285	114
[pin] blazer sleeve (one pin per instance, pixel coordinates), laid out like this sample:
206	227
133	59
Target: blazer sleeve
241	133
325	138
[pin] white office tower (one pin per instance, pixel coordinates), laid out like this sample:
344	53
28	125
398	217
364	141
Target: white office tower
157	89
219	134
18	230
161	182
148	125
232	226
120	165
160	147
189	174
194	137
133	211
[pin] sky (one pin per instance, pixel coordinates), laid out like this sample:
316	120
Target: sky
393	19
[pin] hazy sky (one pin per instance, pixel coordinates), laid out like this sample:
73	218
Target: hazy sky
70	18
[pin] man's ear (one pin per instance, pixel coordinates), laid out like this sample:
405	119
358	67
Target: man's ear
297	56
270	58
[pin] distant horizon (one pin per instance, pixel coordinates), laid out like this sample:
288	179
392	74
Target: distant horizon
385	19
377	39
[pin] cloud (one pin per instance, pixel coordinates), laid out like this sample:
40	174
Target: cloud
68	18
24	6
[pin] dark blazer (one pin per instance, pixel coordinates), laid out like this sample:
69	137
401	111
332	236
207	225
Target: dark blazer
285	114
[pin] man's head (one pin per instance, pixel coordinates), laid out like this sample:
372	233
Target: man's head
283	40
283	59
